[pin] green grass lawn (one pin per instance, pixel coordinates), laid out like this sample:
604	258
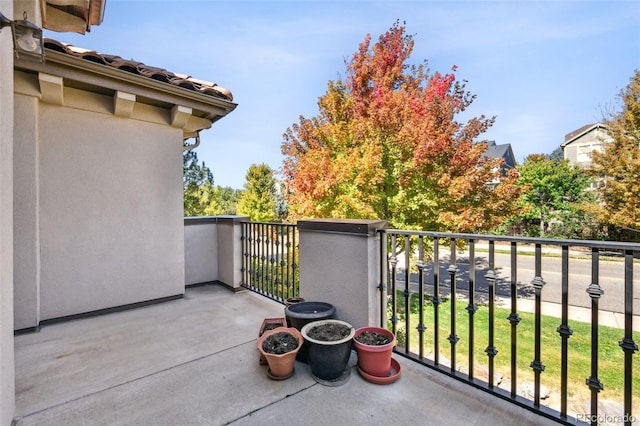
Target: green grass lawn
610	359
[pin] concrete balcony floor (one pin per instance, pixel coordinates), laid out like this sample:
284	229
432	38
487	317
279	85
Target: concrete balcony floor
194	362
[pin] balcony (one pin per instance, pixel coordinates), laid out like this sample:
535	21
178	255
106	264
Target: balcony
194	361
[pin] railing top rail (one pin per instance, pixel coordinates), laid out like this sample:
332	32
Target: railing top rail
609	245
269	223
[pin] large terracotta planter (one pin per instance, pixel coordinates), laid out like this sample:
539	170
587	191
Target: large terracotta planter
375	360
280	365
328	359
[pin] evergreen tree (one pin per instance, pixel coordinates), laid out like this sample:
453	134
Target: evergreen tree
199	194
258	200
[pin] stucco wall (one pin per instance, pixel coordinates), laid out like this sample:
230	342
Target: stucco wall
200	250
339	265
26	248
7	375
108	219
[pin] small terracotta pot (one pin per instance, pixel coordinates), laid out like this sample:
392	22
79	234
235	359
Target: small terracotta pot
374	360
293	300
280	365
269	322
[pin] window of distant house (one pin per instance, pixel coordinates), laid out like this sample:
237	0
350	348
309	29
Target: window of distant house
584	151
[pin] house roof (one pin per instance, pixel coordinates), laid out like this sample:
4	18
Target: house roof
501	151
159	74
570	137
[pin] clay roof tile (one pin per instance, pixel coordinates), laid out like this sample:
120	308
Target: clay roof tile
177	79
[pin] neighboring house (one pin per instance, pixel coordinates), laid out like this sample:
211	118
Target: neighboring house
579	144
503	151
91	213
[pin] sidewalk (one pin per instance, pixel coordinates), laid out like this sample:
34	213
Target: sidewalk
576	313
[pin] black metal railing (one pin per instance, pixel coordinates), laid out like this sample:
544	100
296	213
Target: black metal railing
270	259
522	320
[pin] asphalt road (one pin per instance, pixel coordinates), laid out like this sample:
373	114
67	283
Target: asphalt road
611	279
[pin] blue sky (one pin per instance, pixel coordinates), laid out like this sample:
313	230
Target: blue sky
544	68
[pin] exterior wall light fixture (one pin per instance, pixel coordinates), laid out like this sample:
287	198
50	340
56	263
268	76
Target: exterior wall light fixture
27	38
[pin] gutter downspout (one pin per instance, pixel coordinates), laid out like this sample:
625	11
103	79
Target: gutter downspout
186	147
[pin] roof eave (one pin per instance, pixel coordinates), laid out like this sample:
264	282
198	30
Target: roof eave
92	73
584	132
72	15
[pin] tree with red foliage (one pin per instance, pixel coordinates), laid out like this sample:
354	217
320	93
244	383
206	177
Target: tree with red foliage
386	145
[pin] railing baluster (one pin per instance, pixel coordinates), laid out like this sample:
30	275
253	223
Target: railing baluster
294	266
627	344
243	245
453	337
394	263
595	291
491	281
252	259
260	258
384	279
292	282
407	292
269	262
436	301
565	332
421	326
514	319
536	364
281	263
472	308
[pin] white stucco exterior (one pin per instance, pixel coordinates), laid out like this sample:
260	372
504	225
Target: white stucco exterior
98	205
7	369
109	211
339	264
91	213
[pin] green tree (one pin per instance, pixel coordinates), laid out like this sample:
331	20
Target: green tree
386	145
228	199
552	192
197	181
258	200
617	167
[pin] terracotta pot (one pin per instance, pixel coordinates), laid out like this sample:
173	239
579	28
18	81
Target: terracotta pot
374	360
328	359
293	300
270	324
280	365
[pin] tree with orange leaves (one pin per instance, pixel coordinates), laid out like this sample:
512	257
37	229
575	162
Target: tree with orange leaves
386	145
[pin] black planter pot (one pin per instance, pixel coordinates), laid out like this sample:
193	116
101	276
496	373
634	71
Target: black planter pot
300	314
328	359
